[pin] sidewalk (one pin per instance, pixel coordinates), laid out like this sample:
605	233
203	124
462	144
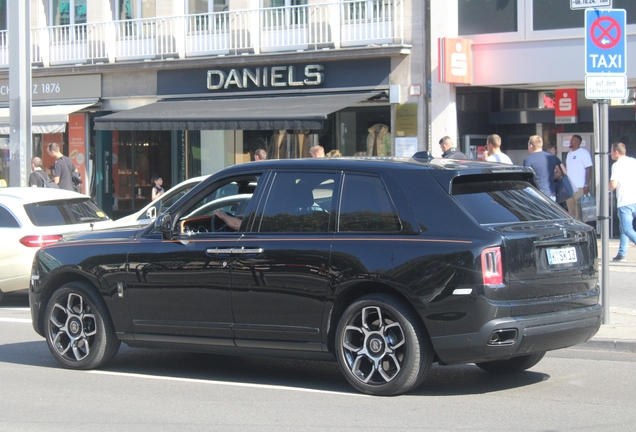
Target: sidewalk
620	333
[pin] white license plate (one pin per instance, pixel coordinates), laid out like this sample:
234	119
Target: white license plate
561	256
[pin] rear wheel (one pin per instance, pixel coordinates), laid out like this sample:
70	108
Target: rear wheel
381	346
515	364
78	329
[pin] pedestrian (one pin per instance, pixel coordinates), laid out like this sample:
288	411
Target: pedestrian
579	165
334	153
157	189
260	155
623	179
317	151
560	170
62	169
449	151
543	164
39	177
493	147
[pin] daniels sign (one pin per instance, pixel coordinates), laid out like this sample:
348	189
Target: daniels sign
275	76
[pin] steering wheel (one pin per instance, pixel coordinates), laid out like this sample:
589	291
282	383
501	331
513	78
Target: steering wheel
217	224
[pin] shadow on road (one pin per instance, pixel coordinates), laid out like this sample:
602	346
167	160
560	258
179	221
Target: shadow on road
303	374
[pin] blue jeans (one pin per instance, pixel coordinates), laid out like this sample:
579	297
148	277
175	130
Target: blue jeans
626	217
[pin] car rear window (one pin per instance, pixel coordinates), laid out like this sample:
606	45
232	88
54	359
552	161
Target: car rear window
64	212
508	201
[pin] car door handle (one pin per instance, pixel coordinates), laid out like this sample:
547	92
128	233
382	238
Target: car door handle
234	251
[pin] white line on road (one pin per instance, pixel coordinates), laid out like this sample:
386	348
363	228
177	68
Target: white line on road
20	320
225	383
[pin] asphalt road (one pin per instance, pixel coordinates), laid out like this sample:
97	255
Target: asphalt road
145	390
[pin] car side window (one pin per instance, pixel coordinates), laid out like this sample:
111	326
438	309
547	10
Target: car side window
7	220
366	206
299	202
231	195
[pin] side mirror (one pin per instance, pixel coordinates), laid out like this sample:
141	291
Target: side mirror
151	213
164	224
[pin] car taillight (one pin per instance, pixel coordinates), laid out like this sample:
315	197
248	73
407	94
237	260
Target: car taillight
491	267
39	241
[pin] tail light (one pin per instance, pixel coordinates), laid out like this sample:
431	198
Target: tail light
491	267
39	241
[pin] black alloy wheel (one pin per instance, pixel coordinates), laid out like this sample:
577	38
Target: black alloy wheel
382	347
515	364
78	329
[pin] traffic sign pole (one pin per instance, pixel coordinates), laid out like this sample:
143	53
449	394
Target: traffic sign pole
601	136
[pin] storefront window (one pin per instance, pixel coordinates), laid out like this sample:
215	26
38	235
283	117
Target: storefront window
137	156
557	14
487	16
365	131
3	15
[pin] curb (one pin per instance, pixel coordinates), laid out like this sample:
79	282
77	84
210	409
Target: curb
619	345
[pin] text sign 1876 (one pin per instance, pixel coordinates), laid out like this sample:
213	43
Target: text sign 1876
584	4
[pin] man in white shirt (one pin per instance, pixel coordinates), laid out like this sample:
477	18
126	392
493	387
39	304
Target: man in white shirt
579	165
624	181
493	150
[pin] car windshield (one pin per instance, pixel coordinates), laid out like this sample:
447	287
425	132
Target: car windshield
497	202
64	212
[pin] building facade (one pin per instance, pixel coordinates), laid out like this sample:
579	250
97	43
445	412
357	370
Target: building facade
184	88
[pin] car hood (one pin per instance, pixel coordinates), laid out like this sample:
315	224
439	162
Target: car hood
110	234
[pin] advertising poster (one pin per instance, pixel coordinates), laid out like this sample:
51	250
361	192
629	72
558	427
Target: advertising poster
77	144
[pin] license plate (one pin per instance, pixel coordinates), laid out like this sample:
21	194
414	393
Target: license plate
561	256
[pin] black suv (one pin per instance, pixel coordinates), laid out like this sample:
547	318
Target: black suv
383	264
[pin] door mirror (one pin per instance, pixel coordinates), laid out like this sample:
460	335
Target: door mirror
164	225
151	213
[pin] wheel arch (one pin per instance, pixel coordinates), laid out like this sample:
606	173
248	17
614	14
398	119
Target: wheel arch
352	293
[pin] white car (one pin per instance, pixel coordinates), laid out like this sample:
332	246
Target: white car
34	217
149	213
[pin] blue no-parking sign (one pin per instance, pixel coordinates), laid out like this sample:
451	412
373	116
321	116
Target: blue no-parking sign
605	46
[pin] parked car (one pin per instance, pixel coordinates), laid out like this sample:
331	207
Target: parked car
384	265
149	213
33	217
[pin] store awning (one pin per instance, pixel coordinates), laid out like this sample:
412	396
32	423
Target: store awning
44	119
265	113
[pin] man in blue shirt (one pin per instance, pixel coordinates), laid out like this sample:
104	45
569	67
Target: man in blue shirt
543	164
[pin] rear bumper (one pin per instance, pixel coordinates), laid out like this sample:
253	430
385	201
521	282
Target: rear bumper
534	333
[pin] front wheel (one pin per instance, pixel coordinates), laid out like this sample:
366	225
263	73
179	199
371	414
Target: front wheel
515	364
78	329
381	346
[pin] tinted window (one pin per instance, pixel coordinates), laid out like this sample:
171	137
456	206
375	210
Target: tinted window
67	212
7	220
487	16
231	195
366	206
506	202
299	202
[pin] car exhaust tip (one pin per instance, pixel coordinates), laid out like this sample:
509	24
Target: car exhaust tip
503	337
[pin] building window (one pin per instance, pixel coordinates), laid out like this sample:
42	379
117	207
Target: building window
285	17
68	12
134	9
556	14
3	15
487	16
207	6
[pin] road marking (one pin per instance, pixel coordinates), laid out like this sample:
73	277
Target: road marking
225	383
19	320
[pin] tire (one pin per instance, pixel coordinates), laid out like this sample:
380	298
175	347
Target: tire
513	365
382	347
78	328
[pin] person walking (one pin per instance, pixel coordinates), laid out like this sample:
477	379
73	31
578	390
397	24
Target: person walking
39	177
543	164
579	165
449	151
317	151
62	169
260	155
623	180
493	147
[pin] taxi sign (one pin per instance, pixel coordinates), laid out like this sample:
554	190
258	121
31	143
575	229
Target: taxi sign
605	46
